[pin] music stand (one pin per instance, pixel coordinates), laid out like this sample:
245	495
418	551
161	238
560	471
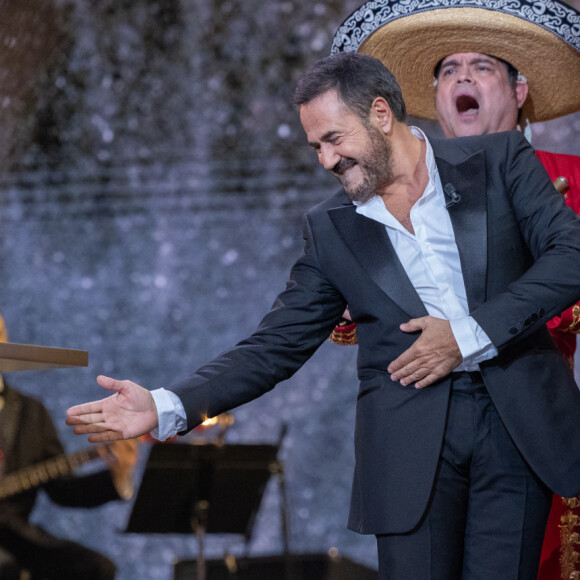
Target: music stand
202	489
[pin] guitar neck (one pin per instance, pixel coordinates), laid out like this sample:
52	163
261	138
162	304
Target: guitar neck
45	471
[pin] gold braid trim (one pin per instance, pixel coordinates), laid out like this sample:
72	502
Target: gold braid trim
344	334
574	327
570	540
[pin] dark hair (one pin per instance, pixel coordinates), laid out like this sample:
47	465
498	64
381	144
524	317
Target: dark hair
358	79
511	71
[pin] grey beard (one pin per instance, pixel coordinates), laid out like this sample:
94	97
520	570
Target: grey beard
376	168
365	191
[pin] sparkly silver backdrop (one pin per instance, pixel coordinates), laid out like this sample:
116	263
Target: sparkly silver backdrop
153	178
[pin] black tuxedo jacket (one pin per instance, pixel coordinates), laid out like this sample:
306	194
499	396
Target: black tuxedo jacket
519	248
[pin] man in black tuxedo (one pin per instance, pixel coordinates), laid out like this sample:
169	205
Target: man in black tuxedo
467	413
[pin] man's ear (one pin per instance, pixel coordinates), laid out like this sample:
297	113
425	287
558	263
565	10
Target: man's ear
521	92
381	115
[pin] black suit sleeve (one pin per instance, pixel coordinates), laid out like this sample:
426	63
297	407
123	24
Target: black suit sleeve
301	319
551	232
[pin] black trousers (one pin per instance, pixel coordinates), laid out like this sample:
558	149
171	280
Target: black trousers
488	511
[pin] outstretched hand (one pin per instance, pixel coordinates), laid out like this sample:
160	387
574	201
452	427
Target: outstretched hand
129	413
432	356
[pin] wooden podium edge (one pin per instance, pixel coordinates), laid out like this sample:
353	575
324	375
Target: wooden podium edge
23	357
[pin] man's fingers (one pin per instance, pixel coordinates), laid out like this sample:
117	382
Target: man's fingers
411	354
413	325
90	428
401	362
433	354
105	437
109	383
85	418
74	420
95	406
410	374
428	380
414	377
84	410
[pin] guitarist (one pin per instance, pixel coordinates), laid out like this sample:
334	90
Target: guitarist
30	547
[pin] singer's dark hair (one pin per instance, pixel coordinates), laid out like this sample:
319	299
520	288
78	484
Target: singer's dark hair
358	78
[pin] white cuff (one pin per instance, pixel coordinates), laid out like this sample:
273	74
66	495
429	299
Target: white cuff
170	414
473	342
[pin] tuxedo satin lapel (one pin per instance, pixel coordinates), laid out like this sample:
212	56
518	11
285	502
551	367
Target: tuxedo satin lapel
469	219
370	244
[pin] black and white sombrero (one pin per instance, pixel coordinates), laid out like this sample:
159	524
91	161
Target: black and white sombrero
540	38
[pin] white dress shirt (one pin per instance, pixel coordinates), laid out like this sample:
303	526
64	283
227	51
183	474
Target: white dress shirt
430	259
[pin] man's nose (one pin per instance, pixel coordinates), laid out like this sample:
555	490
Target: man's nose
464	77
328	157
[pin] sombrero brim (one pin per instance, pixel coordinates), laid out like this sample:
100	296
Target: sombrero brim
412	45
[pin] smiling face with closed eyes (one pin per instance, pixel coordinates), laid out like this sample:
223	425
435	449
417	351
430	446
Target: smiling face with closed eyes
351	148
475	95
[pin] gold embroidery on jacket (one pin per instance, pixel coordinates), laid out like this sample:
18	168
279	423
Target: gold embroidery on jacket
574	327
570	539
